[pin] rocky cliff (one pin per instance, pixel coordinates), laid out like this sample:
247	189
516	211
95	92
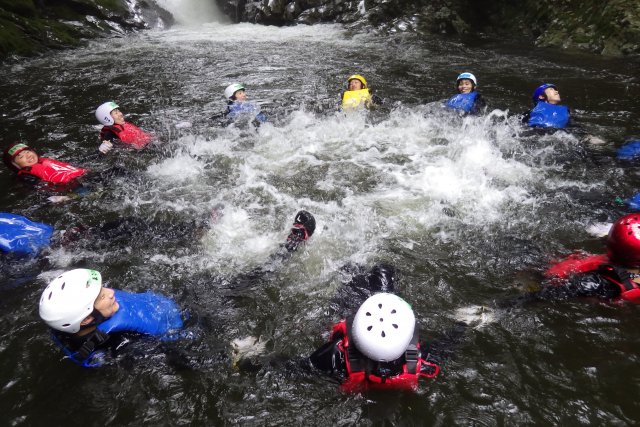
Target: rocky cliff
30	26
609	27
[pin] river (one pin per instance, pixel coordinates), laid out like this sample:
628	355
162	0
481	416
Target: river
469	210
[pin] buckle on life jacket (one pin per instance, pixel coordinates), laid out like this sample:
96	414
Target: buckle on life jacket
411	357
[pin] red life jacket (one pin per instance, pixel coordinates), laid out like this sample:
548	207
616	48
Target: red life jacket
53	171
128	134
583	262
360	379
576	263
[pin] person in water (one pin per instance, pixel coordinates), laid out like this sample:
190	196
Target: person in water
378	347
26	162
358	94
87	319
83	315
547	111
614	276
116	129
238	104
467	100
20	235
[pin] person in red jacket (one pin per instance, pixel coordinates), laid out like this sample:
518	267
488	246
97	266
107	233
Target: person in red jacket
614	276
26	162
115	129
378	347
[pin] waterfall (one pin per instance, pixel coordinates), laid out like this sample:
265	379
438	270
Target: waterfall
192	12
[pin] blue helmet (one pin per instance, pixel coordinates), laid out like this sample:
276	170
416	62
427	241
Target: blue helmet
540	91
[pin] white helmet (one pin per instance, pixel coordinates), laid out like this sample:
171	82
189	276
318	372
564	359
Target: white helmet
69	298
232	89
103	113
468	76
383	327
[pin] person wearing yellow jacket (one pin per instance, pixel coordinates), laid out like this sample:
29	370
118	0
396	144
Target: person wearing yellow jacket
358	94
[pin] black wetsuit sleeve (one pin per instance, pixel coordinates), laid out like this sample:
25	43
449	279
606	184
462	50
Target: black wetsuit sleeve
525	118
30	179
108	135
591	284
478	105
329	358
376	100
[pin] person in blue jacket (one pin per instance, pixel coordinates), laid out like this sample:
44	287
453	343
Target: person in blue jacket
547	111
87	320
83	314
20	235
238	104
467	100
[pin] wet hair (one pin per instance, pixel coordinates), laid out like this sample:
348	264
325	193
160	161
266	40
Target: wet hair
11	151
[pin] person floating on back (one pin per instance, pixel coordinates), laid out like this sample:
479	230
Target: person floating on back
547	111
614	276
26	162
467	100
358	94
378	347
116	129
238	104
83	315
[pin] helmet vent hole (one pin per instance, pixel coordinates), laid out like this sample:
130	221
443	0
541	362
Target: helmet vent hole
381	319
369	328
66	324
368	314
63	283
379	305
394	325
50	295
383	334
393	311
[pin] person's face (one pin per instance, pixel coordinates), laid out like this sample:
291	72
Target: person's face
106	303
552	94
117	116
240	95
465	86
355	84
25	158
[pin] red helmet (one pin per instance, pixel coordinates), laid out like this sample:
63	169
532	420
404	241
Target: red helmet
623	243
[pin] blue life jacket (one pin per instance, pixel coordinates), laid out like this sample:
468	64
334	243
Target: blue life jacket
18	234
629	151
145	313
462	101
236	109
549	115
634	202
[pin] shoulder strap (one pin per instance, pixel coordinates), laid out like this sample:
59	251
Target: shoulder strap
355	358
412	354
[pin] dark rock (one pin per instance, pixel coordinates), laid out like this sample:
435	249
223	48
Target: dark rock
31	26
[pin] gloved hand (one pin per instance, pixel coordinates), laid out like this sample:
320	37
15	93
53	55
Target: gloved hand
105	147
304	225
